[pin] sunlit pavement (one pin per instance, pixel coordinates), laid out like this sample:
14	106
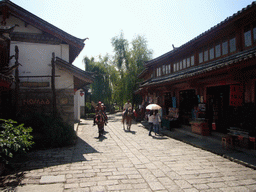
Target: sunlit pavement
132	161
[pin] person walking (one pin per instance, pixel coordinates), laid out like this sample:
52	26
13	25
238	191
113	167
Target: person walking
156	122
150	121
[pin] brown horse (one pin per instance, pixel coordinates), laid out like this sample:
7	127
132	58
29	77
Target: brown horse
128	119
100	121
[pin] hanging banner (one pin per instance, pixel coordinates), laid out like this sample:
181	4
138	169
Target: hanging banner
174	102
236	95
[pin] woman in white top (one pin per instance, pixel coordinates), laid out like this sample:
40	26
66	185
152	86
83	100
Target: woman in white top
150	121
156	122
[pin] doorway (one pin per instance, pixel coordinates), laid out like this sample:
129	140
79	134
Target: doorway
188	100
218	107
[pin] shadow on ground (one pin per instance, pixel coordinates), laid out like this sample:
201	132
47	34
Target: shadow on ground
40	159
160	137
132	132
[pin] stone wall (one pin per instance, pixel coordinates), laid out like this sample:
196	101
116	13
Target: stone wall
65	104
40	101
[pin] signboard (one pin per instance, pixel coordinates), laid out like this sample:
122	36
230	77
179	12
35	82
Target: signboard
36	101
236	95
34	84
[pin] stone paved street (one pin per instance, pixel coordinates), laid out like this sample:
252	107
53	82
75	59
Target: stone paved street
132	161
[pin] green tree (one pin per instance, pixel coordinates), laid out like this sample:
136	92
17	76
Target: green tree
104	75
116	79
121	50
139	53
130	62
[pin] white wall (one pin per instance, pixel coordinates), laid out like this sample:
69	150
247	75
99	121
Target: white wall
36	61
77	106
82	100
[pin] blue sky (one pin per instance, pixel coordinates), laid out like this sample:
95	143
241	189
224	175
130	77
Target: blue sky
162	22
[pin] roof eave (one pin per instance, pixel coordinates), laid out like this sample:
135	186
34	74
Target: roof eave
82	75
41	24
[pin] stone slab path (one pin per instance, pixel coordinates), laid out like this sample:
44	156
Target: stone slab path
132	161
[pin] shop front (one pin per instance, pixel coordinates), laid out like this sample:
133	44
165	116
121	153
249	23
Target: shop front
218	109
188	101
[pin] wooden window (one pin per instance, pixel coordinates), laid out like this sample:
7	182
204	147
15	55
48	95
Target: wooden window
184	63
192	59
217	50
206	57
163	69
168	69
212	53
225	48
188	62
254	34
247	38
201	57
180	65
232	45
158	72
174	67
152	74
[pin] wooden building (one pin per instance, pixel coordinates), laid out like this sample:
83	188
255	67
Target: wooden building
44	79
215	71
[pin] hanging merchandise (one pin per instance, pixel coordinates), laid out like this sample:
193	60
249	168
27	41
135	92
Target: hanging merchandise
236	95
174	102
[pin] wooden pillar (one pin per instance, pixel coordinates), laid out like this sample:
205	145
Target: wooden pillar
17	81
54	106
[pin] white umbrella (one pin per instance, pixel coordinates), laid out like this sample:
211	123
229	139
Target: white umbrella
153	107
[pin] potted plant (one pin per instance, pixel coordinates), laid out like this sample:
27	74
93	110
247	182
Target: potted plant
200	126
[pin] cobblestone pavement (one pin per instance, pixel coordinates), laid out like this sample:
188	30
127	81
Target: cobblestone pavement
132	161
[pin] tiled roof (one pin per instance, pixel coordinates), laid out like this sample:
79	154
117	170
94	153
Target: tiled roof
203	68
228	19
41	24
79	73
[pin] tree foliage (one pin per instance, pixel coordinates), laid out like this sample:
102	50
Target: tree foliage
116	77
14	139
105	74
132	64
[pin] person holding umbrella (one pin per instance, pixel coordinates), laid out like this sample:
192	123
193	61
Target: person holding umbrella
156	121
150	121
156	117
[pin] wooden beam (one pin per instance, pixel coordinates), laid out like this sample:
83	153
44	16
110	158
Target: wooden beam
54	106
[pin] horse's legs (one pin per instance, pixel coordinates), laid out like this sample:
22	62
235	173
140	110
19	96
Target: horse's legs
100	130
130	123
123	123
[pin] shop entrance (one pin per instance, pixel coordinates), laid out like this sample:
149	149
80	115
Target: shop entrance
218	107
188	100
168	103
